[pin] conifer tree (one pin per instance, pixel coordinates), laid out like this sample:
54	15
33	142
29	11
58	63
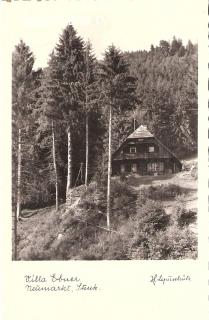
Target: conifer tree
118	89
49	118
91	97
22	67
69	54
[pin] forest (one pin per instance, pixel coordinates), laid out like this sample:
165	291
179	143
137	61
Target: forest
69	117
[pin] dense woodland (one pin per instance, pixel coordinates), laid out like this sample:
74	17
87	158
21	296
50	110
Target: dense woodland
61	114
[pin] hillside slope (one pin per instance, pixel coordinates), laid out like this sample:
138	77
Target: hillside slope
152	218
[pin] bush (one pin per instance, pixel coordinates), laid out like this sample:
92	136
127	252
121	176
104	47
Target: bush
143	229
123	177
123	200
94	198
151	217
156	236
163	192
174	243
185	217
110	246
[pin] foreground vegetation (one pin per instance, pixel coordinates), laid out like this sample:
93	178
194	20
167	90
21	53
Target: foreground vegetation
140	227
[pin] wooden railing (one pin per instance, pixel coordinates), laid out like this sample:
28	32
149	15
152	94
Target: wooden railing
151	155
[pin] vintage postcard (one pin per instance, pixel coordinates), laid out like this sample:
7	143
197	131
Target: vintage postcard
104	159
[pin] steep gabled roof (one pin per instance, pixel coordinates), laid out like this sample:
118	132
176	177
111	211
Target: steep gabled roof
140	132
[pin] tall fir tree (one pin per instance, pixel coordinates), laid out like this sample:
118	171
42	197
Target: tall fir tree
69	53
90	86
118	89
50	123
22	69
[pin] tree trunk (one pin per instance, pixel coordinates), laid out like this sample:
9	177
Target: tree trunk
134	123
55	167
19	174
109	168
69	164
87	150
17	212
14	236
87	117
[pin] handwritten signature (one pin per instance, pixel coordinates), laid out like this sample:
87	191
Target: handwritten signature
160	279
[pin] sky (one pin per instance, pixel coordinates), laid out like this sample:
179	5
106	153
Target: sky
129	24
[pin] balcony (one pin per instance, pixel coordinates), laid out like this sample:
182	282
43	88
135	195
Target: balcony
139	155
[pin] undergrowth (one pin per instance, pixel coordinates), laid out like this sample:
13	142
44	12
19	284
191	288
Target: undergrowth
140	228
163	192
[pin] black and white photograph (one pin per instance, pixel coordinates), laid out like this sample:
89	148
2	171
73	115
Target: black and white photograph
104	128
104	159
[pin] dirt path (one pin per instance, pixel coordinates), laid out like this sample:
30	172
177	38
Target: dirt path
184	179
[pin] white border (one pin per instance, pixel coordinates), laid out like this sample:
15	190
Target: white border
125	288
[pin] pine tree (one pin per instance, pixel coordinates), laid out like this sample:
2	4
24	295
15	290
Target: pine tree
118	89
176	76
91	97
22	67
69	55
49	118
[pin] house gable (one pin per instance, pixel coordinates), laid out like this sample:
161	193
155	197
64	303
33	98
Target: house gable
142	149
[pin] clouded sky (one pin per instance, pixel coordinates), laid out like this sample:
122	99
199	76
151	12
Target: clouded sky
129	24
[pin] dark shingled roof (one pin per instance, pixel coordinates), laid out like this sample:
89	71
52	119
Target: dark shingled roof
140	132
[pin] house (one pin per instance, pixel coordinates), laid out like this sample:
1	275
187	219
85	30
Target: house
144	154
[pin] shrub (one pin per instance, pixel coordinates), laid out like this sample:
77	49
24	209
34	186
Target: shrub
123	201
110	246
143	229
175	243
123	177
94	198
172	243
151	216
163	192
185	217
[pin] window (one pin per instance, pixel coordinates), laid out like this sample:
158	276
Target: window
155	166
151	149
152	166
132	149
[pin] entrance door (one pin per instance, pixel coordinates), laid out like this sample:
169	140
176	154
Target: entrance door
122	168
134	167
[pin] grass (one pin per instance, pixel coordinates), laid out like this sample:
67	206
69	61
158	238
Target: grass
142	227
151	218
163	192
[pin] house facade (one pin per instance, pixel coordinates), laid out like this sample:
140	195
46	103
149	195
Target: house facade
144	154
